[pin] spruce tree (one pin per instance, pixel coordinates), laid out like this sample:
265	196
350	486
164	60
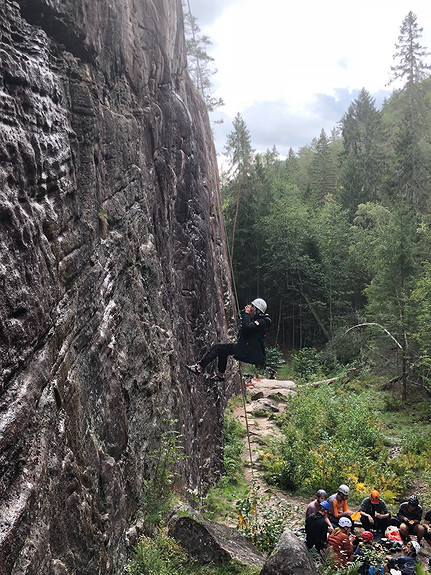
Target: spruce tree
362	156
410	66
412	146
200	64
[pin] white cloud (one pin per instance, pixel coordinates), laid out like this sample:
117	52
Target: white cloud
290	68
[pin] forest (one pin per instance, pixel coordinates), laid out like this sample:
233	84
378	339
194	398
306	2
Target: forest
337	236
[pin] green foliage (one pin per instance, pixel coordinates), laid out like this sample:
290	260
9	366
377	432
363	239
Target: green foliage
163	556
363	255
200	64
261	520
326	564
308	363
410	56
305	364
220	500
274	356
158	489
233	434
331	436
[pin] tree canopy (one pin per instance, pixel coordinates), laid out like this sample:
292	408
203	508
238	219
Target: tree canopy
338	234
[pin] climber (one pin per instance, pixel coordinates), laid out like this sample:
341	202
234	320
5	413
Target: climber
409	516
316	527
313	507
407	562
374	513
339	542
338	504
250	346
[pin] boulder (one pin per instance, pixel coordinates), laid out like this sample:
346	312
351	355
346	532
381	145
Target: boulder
211	542
290	557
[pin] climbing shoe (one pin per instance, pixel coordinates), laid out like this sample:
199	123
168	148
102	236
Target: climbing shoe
194	369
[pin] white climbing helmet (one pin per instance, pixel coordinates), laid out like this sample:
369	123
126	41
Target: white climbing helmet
343	489
344	522
260	304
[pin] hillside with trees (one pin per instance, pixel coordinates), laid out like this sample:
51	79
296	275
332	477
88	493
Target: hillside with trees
337	236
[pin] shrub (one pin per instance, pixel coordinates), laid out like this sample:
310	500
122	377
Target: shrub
305	363
158	488
332	437
274	357
163	556
261	520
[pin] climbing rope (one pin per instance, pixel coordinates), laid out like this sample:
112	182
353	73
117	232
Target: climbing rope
244	402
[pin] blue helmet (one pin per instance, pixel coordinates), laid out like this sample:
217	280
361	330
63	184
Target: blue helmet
324	504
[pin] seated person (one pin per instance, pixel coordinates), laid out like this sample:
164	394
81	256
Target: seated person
371	554
406	563
374	513
338	505
313	507
427	527
316	527
409	515
339	542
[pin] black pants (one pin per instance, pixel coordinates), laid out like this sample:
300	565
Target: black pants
378	525
221	351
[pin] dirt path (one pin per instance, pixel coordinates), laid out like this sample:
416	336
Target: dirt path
266	400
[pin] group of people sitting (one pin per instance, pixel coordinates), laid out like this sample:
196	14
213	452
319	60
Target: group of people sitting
329	523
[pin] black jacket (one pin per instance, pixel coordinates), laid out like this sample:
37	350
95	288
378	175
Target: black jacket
251	337
316	530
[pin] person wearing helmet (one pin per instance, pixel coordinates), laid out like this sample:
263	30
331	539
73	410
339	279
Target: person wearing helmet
374	513
339	542
370	554
313	507
316	527
409	516
407	562
338	505
250	345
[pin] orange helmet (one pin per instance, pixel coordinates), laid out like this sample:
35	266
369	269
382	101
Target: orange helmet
375	496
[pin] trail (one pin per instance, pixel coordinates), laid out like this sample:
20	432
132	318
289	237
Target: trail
266	399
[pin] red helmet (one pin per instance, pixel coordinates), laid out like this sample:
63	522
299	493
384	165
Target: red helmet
367	536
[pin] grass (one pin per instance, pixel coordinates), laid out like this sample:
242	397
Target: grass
161	555
387	442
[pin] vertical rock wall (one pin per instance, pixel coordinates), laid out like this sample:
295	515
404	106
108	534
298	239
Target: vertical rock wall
113	274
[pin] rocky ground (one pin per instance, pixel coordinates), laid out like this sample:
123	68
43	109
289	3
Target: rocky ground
267	397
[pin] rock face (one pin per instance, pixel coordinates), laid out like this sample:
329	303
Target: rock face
211	542
290	557
113	274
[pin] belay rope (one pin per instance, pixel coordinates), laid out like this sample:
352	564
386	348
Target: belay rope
242	380
244	402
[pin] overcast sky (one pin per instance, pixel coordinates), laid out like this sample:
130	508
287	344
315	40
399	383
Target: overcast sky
292	67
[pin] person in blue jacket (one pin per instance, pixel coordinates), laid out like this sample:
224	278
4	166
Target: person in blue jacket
250	346
407	563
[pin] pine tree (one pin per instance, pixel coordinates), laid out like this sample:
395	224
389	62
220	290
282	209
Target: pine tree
410	54
322	169
362	157
238	146
200	64
412	146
